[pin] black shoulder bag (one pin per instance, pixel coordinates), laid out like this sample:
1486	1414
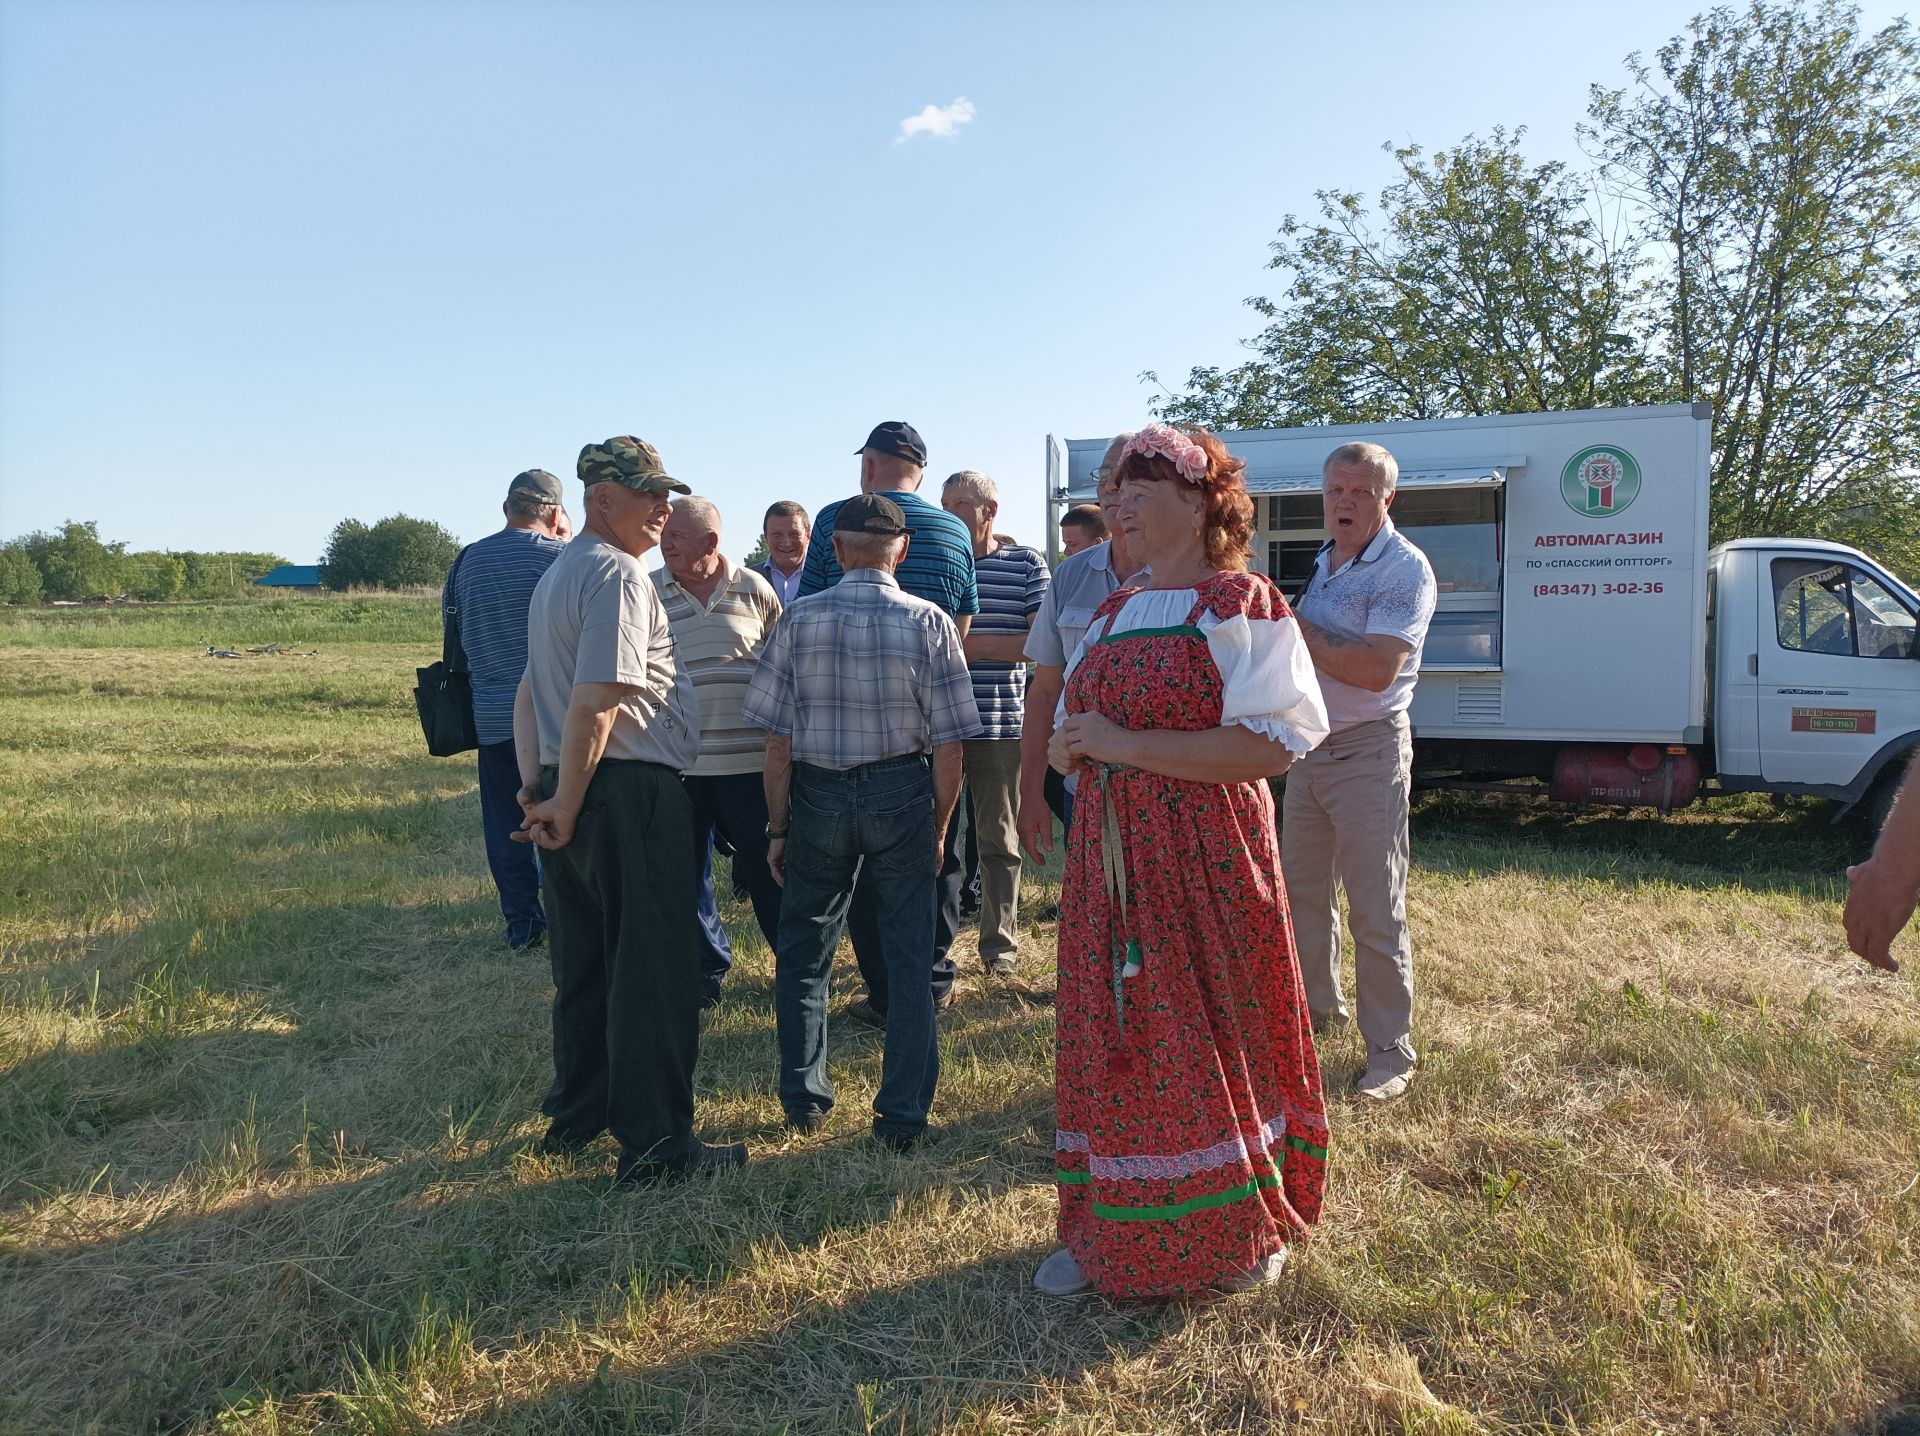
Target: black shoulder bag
445	693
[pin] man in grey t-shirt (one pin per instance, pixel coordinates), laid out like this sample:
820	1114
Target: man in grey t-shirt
1364	613
604	723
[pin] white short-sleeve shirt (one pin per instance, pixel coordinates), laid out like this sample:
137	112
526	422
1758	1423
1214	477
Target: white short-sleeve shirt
1388	589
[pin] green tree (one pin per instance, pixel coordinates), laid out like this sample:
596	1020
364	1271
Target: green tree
1774	152
1482	285
19	577
397	552
74	563
349	560
153	577
222	575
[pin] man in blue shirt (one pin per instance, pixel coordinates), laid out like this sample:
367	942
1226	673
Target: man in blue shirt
490	589
937	566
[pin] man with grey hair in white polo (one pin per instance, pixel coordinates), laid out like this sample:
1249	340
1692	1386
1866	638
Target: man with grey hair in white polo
1364	613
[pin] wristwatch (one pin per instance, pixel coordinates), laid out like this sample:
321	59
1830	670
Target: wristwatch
771	834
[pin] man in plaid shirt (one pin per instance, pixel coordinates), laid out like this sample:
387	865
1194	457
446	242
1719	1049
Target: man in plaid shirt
858	685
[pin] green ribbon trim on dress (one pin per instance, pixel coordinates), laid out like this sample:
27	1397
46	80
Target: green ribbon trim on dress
1175	1210
1182	630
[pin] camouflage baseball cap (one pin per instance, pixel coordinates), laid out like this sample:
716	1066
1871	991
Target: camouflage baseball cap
630	462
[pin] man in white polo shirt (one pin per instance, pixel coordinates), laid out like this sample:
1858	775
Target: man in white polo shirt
1364	613
721	616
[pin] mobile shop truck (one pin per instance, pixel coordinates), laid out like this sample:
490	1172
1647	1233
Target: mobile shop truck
1585	635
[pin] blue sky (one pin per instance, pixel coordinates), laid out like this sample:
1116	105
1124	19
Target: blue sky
265	266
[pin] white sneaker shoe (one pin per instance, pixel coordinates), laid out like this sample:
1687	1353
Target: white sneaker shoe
1388	1076
1261	1273
1060	1275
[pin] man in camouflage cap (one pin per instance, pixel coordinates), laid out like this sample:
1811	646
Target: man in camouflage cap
605	723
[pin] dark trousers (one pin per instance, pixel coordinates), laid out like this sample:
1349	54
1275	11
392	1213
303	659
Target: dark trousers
515	868
626	963
865	920
876	822
734	806
1059	800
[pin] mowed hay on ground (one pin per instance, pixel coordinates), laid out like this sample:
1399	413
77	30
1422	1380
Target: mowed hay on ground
270	1080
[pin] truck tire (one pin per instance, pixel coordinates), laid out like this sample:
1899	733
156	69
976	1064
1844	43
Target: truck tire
1872	810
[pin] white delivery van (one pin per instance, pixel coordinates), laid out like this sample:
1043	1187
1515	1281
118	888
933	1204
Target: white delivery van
1585	634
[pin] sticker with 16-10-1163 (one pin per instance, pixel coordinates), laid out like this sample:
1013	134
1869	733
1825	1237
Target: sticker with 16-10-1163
1599	482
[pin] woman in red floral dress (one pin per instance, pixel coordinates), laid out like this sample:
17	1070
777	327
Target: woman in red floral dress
1192	1131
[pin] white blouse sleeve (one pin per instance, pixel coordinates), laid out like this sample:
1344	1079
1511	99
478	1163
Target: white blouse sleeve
1269	678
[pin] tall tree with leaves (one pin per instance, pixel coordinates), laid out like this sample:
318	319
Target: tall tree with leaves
1775	155
1482	285
397	552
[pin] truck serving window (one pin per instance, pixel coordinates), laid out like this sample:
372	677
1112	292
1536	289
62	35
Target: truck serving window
1835	608
1459	532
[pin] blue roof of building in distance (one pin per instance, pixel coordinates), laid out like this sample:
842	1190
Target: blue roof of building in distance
291	575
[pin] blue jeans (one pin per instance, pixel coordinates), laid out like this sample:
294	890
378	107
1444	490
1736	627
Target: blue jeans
874	821
515	866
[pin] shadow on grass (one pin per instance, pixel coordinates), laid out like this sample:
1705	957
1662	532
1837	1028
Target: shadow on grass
1748	843
1900	1418
376	1271
951	1351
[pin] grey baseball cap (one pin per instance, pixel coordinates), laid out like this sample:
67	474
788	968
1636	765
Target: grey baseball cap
537	485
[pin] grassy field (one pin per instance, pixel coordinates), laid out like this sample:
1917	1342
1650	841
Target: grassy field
268	1079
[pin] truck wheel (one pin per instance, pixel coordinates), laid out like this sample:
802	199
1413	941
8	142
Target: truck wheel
1873	809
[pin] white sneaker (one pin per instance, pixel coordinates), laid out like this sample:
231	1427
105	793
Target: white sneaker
1060	1275
1262	1272
1387	1077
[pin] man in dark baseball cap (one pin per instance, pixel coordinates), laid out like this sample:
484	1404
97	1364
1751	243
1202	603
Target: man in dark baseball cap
875	765
870	514
898	438
486	598
938	567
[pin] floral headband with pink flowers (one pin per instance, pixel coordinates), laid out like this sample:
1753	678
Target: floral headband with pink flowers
1189	460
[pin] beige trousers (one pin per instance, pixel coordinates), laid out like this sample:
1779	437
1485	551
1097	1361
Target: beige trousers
993	778
1344	824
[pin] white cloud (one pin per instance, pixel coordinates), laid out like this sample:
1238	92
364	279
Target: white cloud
941	120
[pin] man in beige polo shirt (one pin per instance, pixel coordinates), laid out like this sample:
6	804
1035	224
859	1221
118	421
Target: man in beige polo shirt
721	616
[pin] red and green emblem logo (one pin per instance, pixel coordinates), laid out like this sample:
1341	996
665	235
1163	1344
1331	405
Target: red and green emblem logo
1601	481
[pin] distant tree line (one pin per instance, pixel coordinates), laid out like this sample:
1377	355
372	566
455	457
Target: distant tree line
75	564
1748	234
397	552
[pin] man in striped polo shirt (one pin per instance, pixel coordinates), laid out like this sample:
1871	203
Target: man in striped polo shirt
721	616
1012	579
937	566
489	591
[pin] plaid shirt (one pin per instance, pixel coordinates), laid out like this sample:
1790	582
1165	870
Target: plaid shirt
862	672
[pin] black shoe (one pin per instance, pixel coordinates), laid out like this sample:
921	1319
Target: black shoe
703	1161
534	941
563	1144
904	1141
709	997
807	1123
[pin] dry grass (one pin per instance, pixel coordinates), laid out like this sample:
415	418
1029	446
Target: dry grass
269	1078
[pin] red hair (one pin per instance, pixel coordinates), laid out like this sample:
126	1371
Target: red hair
1226	520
